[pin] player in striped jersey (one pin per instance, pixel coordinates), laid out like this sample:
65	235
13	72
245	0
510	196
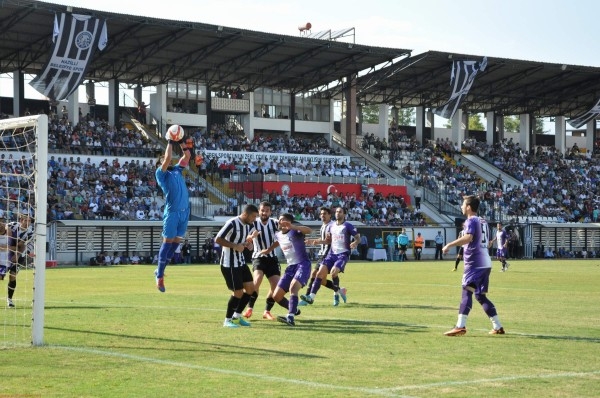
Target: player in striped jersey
234	237
17	245
264	264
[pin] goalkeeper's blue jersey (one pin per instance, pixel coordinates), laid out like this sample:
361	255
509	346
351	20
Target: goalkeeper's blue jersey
173	185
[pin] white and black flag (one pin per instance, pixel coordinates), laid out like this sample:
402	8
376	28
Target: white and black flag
75	38
582	119
461	80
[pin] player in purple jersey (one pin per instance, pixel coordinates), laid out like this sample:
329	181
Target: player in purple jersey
340	239
333	284
478	266
291	240
502	239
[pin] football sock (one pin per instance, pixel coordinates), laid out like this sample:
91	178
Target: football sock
329	285
231	306
243	302
462	321
496	322
270	304
336	281
309	286
12	286
284	303
253	298
293	305
316	287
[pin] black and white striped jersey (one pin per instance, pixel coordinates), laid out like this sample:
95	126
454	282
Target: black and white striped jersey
324	246
266	237
234	231
18	234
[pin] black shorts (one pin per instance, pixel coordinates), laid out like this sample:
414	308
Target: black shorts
402	248
235	277
11	268
268	265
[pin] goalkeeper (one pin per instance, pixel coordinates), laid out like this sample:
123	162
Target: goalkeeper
15	244
177	207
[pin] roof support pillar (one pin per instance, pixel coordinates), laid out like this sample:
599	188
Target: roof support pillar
500	128
590	135
350	96
73	107
420	120
490	129
524	131
19	93
458	131
113	101
384	131
560	139
431	136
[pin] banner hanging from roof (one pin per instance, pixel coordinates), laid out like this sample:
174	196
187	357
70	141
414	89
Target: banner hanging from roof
462	78
75	38
582	119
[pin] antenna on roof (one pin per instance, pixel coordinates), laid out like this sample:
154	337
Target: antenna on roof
304	29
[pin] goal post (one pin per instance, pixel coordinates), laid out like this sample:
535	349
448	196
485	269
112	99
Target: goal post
24	148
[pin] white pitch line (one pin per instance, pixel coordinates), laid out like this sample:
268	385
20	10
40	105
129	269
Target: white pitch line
373	391
494	380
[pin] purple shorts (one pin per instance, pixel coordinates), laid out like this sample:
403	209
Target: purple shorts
477	279
299	272
336	260
500	253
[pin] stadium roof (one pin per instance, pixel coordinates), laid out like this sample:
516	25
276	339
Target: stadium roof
151	51
507	86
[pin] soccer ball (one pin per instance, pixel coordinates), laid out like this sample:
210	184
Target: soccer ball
175	133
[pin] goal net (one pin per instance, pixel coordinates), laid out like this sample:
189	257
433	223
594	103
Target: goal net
23	198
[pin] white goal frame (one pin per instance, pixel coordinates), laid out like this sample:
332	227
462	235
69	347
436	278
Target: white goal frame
40	158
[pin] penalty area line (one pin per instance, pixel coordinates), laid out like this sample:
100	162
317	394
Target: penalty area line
387	392
494	380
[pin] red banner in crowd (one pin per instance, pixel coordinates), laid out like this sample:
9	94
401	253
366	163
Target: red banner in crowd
312	188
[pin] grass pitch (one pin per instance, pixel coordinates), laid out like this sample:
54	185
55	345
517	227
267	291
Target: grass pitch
110	333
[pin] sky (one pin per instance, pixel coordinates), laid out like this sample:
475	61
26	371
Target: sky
557	31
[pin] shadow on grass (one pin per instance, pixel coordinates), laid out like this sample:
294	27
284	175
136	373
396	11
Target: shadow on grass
209	346
570	338
356	327
399	306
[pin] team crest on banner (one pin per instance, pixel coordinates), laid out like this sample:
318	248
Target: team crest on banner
75	38
461	80
582	119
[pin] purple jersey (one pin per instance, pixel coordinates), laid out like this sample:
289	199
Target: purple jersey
341	237
501	238
293	247
476	253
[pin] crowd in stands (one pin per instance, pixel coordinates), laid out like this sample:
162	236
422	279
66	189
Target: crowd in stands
96	137
563	187
81	189
368	208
